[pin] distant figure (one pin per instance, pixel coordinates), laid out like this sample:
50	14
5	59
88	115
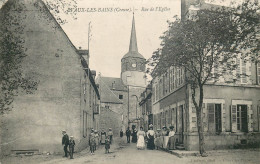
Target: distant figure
107	144
128	134
92	142
103	137
164	131
65	142
171	142
150	137
96	139
71	146
121	133
157	141
134	135
110	134
140	141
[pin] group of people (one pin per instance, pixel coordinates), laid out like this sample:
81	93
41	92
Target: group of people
151	138
105	138
94	140
165	138
68	142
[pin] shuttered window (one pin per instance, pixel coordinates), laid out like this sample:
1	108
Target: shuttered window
214	117
242	118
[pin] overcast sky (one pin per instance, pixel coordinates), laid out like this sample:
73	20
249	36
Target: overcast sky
111	30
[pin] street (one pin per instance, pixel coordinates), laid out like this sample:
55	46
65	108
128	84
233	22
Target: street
123	153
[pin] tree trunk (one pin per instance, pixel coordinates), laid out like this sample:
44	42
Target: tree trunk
199	119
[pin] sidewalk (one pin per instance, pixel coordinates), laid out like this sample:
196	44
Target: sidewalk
185	153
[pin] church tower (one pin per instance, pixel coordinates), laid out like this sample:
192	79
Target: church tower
133	63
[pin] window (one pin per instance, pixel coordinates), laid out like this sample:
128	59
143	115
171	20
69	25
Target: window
242	118
214	117
241	70
120	96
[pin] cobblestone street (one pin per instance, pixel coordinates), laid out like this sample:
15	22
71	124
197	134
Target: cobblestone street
123	153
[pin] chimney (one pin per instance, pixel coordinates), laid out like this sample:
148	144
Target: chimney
93	73
84	54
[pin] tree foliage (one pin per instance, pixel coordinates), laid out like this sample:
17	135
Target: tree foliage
12	51
209	40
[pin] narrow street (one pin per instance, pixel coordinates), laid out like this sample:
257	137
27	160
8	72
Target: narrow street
123	153
120	153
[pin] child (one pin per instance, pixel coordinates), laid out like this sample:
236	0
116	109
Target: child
107	144
71	146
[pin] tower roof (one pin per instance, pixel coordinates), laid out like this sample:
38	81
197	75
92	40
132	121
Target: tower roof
133	49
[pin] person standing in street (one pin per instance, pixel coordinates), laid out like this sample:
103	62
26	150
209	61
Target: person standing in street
110	134
96	139
134	135
107	144
71	146
140	142
65	142
128	134
171	142
103	137
150	137
92	142
121	133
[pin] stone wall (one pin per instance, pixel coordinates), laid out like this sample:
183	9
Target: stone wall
36	120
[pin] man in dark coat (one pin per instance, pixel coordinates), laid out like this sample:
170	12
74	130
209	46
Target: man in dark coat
128	134
65	142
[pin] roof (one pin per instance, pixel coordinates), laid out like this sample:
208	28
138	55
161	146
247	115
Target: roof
91	78
133	49
114	83
50	16
107	87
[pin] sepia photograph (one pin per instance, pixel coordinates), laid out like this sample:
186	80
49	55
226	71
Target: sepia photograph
129	81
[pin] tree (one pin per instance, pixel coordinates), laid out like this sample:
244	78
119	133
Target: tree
12	50
210	40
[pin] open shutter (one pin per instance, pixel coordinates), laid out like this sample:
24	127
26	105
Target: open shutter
238	70
211	117
258	116
249	118
223	118
233	118
243	70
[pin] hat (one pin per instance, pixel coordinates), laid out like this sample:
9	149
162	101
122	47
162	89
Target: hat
110	128
71	137
164	127
63	130
95	131
171	127
151	125
158	129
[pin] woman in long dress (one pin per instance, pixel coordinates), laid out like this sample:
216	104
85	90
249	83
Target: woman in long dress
103	137
171	142
134	135
140	137
150	137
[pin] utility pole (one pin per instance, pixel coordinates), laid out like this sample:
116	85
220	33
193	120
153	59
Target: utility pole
89	34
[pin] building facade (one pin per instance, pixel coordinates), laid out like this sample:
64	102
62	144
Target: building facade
231	104
66	98
146	108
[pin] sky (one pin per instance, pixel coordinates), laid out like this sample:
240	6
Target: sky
111	22
111	29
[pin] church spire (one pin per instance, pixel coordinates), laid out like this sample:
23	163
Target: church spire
133	41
